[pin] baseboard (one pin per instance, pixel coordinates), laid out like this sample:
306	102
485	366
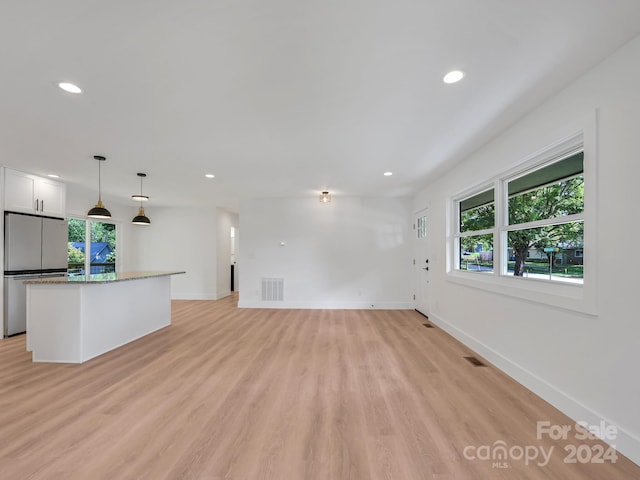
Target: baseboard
625	442
328	305
224	293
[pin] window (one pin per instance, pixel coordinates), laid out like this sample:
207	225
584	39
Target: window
76	257
422	227
542	228
99	254
545	210
476	222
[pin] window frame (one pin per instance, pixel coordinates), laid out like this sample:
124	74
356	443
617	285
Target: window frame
87	237
580	297
505	227
458	235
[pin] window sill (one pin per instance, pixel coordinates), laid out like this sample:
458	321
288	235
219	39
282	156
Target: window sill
567	296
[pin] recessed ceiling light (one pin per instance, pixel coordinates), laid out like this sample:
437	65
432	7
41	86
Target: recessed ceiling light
388	174
453	77
70	87
210	175
52	175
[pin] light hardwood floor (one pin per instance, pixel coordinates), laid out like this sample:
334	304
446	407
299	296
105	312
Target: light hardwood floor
276	394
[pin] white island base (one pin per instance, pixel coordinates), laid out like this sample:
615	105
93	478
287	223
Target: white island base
73	321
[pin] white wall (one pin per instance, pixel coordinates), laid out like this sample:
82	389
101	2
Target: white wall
179	238
351	253
586	365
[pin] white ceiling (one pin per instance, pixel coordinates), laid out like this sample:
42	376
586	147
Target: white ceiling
280	97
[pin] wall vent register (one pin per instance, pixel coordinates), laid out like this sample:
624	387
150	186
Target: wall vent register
272	289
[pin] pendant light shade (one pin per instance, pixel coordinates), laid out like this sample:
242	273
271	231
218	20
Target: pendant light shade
141	218
99	211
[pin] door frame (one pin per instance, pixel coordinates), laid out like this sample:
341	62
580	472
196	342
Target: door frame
421	249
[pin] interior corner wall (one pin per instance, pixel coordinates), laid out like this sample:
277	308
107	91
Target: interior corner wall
224	221
350	253
179	239
584	365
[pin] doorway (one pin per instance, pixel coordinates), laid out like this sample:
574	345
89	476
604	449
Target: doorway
233	260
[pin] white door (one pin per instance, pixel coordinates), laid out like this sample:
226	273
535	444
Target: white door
421	259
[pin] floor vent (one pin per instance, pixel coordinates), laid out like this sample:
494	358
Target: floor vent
272	289
420	313
475	362
427	325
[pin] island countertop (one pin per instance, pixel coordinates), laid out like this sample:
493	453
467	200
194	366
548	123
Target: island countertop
100	277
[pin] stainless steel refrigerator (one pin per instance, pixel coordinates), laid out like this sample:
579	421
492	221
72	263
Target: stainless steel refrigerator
33	247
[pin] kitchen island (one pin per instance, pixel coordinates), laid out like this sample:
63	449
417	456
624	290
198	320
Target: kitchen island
75	318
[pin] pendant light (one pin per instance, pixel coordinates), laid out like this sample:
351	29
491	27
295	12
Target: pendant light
99	211
141	218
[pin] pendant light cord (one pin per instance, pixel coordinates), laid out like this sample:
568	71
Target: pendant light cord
99	182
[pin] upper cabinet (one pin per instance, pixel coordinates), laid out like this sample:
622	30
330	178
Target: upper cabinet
28	193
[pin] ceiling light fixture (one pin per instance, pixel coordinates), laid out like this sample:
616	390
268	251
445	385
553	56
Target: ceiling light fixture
453	77
53	175
99	211
387	174
325	197
139	197
209	175
70	87
141	218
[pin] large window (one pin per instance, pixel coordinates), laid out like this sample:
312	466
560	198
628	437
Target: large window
539	221
98	254
536	223
546	221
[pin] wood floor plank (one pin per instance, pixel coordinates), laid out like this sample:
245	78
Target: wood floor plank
248	394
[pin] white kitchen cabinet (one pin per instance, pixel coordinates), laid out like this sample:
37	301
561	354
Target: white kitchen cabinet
28	193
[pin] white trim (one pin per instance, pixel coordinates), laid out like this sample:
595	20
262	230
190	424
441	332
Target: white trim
567	296
577	217
476	233
222	294
626	442
329	305
556	152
